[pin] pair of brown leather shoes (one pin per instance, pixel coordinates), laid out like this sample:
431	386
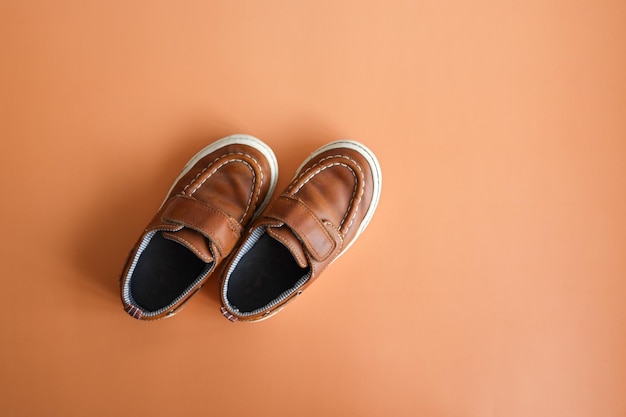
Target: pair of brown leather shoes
215	215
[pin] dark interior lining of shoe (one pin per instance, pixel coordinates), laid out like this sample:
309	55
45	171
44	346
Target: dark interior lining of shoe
262	274
164	271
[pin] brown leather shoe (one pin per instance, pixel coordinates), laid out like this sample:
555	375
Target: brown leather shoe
198	225
328	204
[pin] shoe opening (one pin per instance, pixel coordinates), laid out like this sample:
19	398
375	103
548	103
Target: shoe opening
265	274
165	272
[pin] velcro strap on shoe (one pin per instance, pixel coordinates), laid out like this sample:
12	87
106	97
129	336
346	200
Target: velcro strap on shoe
311	231
214	224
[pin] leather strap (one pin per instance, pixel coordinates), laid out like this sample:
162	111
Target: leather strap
315	236
214	224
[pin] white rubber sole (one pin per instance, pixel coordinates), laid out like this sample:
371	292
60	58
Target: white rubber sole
377	176
237	139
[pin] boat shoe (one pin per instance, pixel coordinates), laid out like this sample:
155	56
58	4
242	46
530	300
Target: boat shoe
198	225
327	205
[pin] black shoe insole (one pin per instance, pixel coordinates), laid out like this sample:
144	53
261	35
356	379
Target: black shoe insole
164	271
267	270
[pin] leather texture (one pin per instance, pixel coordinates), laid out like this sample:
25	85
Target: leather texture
206	211
321	212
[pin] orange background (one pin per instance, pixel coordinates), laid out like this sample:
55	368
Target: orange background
491	281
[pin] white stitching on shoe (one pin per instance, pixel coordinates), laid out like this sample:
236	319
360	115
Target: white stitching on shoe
355	182
356	209
215	169
302	174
